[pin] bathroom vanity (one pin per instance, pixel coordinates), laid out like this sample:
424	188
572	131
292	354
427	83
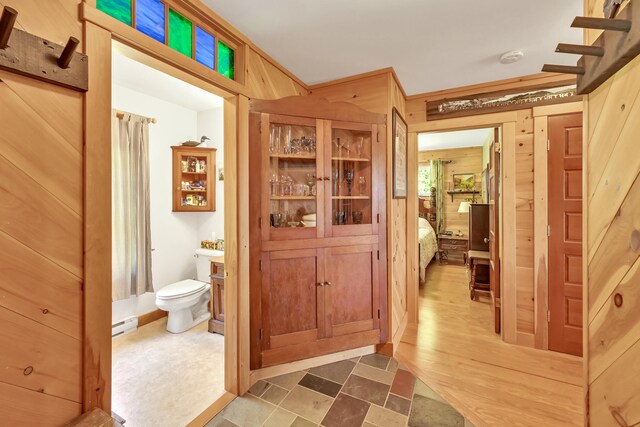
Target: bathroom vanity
216	323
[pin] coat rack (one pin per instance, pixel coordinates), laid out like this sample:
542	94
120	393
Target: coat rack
32	56
618	45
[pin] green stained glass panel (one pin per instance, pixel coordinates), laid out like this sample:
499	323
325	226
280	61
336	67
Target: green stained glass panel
225	60
119	9
180	36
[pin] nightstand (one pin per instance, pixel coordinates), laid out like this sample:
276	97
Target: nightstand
456	244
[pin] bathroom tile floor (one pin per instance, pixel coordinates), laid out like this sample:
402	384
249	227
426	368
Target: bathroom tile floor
164	379
371	390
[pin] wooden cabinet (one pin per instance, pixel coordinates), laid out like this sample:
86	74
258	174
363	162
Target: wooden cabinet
318	174
452	244
194	180
216	323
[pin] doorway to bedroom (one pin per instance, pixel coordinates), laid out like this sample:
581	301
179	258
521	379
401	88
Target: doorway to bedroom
454	202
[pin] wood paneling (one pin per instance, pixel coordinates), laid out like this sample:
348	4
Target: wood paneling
612	245
267	81
41	234
464	160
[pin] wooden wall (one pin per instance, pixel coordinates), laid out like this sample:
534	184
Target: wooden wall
266	81
612	227
41	234
464	160
379	92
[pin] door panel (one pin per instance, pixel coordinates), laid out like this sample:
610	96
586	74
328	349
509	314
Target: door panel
565	241
290	297
494	229
352	289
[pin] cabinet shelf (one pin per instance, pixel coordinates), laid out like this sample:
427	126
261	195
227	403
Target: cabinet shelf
196	199
194	191
292	156
453	193
350	159
193	173
351	197
293	197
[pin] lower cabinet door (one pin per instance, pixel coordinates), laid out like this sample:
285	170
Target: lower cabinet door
352	292
292	304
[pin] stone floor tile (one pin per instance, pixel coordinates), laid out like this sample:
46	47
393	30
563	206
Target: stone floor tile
247	411
366	389
274	394
385	417
355	359
375	374
403	384
337	372
398	404
347	411
307	403
280	418
376	360
258	388
220	422
320	385
424	390
287	381
429	412
301	422
366	424
393	366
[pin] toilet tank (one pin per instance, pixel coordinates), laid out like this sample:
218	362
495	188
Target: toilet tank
203	264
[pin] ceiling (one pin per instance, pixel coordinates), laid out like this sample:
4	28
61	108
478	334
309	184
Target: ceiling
457	139
431	44
149	81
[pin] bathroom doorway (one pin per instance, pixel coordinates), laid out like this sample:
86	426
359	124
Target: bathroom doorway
168	347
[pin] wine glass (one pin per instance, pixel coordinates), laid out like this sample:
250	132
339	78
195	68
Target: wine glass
311	180
336	181
359	146
348	177
338	145
362	185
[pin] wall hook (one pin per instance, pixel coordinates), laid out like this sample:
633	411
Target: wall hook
7	21
564	69
602	23
67	53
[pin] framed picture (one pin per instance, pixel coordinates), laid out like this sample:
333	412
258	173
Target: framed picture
464	182
400	173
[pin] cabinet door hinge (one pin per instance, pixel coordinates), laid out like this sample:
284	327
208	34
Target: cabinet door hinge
260	222
260	334
378	218
378	313
378	254
548	231
548	316
548	145
378	137
260	265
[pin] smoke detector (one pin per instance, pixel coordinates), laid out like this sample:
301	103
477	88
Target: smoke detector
511	57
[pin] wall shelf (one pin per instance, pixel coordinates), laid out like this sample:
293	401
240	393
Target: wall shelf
453	193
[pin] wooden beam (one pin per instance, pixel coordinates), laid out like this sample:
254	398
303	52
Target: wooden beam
579	49
588	22
565	69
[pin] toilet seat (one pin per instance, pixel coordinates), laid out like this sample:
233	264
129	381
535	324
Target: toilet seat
180	289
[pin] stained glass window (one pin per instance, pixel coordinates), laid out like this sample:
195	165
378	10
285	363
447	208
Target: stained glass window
205	46
119	9
180	33
150	18
225	60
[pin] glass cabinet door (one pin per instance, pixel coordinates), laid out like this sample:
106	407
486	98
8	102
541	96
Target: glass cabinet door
290	175
351	158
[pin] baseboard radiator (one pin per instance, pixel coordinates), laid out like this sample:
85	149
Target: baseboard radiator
126	326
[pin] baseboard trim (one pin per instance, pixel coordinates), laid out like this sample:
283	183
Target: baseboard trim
299	365
397	337
152	316
214	409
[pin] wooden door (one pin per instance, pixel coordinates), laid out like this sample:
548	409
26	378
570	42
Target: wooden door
352	290
292	304
565	237
494	229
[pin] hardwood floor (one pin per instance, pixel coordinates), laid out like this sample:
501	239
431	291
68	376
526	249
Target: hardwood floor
455	352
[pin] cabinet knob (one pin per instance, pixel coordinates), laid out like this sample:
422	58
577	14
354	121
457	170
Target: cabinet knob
326	178
327	283
319	284
486	240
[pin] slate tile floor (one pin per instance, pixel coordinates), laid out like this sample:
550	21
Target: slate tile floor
368	391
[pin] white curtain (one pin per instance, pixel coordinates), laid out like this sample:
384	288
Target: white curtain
131	230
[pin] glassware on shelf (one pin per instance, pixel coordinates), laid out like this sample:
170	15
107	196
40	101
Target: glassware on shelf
274	143
357	217
276	219
339	218
347	148
348	177
359	146
311	180
336	181
362	185
287	140
274	184
338	146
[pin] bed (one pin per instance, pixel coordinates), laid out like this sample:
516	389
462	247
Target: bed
427	244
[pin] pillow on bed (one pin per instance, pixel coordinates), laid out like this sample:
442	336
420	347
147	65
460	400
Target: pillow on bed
423	223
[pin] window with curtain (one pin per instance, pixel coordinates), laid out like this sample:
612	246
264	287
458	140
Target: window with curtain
424	180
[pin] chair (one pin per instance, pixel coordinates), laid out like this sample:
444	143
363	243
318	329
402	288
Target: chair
477	258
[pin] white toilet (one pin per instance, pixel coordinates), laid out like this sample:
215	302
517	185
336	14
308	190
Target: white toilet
187	301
